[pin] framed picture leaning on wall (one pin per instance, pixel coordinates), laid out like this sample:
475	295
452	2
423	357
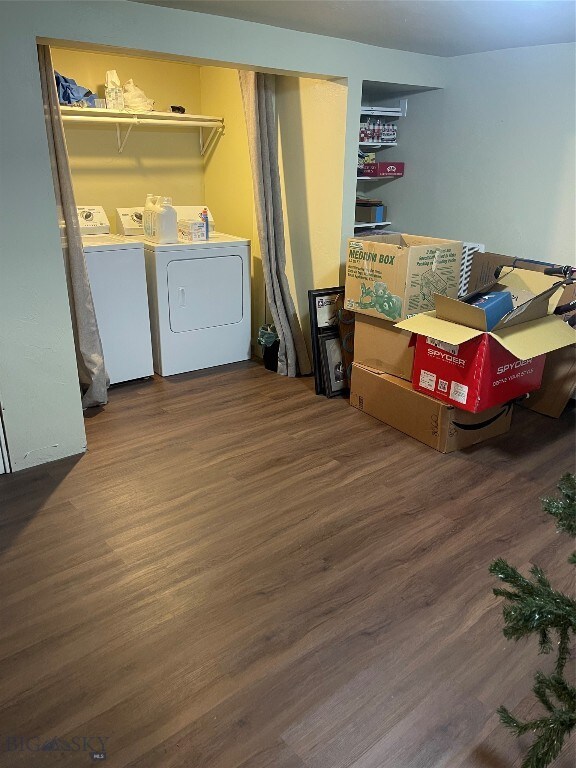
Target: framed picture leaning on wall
324	304
333	366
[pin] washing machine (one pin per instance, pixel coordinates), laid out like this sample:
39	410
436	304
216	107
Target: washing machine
117	276
199	296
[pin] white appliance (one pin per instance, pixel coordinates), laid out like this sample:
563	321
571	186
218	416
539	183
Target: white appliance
118	282
199	297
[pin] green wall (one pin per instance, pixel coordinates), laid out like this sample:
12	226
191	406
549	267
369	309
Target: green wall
490	158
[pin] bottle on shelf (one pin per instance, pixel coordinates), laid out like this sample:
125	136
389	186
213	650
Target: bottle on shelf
113	91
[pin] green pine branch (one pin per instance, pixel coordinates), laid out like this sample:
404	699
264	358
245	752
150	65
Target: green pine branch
552	731
532	606
563	509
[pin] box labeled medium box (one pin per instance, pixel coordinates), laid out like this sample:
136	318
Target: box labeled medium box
394	276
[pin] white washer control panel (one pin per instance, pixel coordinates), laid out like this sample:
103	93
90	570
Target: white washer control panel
93	220
129	221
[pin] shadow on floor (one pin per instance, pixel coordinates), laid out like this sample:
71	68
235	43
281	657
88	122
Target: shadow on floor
24	494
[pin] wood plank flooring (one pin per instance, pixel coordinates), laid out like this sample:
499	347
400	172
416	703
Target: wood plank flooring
239	574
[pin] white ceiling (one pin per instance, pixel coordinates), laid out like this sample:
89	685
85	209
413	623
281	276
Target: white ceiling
437	27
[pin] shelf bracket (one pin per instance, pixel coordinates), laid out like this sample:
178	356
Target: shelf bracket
122	141
214	133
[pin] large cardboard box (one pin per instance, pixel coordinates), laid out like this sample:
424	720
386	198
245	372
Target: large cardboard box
558	383
424	418
371	214
559	379
394	276
381	346
484	265
458	362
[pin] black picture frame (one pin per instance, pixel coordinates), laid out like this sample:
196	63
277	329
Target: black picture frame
323	305
333	367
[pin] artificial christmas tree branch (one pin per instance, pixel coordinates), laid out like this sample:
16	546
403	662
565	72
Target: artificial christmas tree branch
534	607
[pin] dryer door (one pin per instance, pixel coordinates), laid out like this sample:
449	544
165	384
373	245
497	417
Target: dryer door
205	292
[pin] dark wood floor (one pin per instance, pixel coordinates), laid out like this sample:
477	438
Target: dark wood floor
240	574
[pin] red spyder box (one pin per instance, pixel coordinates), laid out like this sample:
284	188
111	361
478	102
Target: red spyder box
382	170
475	375
459	362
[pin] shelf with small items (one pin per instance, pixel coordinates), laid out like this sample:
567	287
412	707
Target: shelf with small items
391	112
158	119
377	132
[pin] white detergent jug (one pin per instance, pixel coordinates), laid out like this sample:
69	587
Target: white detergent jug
164	222
148	215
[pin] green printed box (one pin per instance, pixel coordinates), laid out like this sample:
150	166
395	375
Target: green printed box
396	276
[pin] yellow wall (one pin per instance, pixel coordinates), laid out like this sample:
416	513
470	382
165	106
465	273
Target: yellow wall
312	125
311	117
163	161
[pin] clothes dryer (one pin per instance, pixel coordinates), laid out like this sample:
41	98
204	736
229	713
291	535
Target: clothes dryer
199	298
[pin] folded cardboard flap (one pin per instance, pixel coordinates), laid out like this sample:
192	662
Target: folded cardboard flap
523	340
536	338
405	241
534	282
530	310
455	311
427	324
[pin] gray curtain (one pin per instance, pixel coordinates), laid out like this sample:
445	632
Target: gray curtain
89	355
258	92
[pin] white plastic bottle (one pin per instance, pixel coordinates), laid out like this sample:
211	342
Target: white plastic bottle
113	91
165	222
149	210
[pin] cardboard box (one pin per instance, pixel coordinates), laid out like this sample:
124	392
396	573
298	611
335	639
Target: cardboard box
382	170
372	214
484	264
558	383
424	418
394	276
381	346
366	157
559	377
458	362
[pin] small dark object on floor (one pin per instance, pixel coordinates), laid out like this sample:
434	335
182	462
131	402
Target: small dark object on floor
179	110
271	356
